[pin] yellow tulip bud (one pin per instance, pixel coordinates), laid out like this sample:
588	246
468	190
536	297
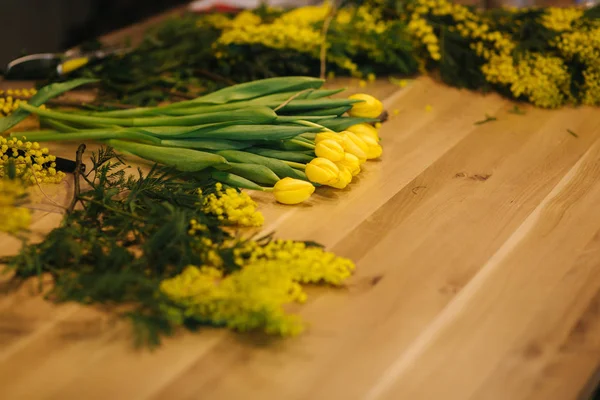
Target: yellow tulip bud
351	162
370	107
343	180
329	149
292	191
354	145
328	136
323	171
374	150
364	130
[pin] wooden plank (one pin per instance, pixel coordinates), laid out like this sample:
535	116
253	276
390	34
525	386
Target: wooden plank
441	239
502	317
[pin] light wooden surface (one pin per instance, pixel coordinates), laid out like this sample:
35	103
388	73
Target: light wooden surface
478	253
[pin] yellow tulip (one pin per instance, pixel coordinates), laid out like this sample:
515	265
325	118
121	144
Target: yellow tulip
292	191
328	136
330	150
351	162
354	145
343	180
374	150
323	171
370	107
364	130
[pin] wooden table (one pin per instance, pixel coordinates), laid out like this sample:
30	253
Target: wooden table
478	253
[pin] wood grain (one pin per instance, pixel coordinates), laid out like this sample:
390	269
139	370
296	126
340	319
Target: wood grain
477	247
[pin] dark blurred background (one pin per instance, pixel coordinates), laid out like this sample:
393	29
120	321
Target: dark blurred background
40	26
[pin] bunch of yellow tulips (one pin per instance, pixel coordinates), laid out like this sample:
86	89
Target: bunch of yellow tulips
282	135
338	155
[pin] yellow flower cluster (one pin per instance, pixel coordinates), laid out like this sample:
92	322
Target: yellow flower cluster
304	264
206	248
543	79
209	252
486	43
292	31
358	23
249	299
491	44
196	227
277	35
233	207
306	16
344	16
583	44
423	32
364	19
300	30
500	69
222	21
246	18
18	92
591	88
12	217
33	164
216	20
8	104
468	25
560	19
255	296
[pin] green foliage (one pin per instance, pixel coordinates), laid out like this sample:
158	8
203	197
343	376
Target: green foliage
277	166
593	12
459	65
174	57
181	158
129	233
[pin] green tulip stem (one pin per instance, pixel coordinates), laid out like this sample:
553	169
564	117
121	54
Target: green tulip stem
295	164
312	124
303	143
